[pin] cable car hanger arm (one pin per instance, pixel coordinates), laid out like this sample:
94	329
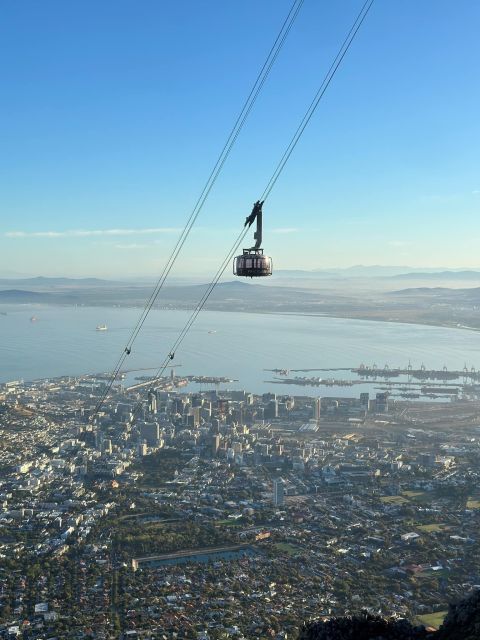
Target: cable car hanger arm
256	215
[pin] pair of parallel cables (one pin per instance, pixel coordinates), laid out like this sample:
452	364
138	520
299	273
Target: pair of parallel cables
261	78
212	178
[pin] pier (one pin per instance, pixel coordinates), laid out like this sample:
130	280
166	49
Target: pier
374	371
407	383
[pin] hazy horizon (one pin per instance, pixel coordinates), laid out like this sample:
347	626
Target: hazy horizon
356	270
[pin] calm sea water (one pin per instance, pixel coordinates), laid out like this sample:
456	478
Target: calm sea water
64	341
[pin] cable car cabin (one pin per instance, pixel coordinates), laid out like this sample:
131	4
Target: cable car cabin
252	264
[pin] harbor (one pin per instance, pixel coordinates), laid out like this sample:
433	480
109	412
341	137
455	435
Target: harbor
374	371
405	383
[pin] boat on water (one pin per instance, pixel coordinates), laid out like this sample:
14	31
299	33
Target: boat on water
102	327
212	331
33	319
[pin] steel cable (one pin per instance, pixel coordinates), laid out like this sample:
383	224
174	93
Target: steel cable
225	152
271	183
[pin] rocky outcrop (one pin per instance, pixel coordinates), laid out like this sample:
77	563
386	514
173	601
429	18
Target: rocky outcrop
461	623
363	627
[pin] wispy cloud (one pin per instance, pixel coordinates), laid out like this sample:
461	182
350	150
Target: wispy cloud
133	246
285	230
476	192
88	233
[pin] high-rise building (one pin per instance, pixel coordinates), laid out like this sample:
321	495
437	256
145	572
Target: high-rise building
123	410
271	410
278	492
237	447
152	402
107	446
196	415
177	405
364	399
223	406
189	420
238	395
260	413
215	444
317	408
381	404
197	401
150	432
278	449
282	410
266	397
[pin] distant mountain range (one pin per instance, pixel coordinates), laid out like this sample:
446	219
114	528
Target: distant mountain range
41	281
23	296
377	271
355	272
236	294
439	275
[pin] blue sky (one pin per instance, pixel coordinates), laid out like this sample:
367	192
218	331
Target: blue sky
112	114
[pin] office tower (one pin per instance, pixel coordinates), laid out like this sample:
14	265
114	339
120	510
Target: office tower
150	432
152	402
271	410
278	492
364	399
215	444
381	402
107	446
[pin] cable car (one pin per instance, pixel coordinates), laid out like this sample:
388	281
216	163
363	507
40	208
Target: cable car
253	263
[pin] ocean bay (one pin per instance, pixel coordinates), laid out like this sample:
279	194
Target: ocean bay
64	341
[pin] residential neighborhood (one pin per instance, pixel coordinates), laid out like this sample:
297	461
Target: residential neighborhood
215	514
